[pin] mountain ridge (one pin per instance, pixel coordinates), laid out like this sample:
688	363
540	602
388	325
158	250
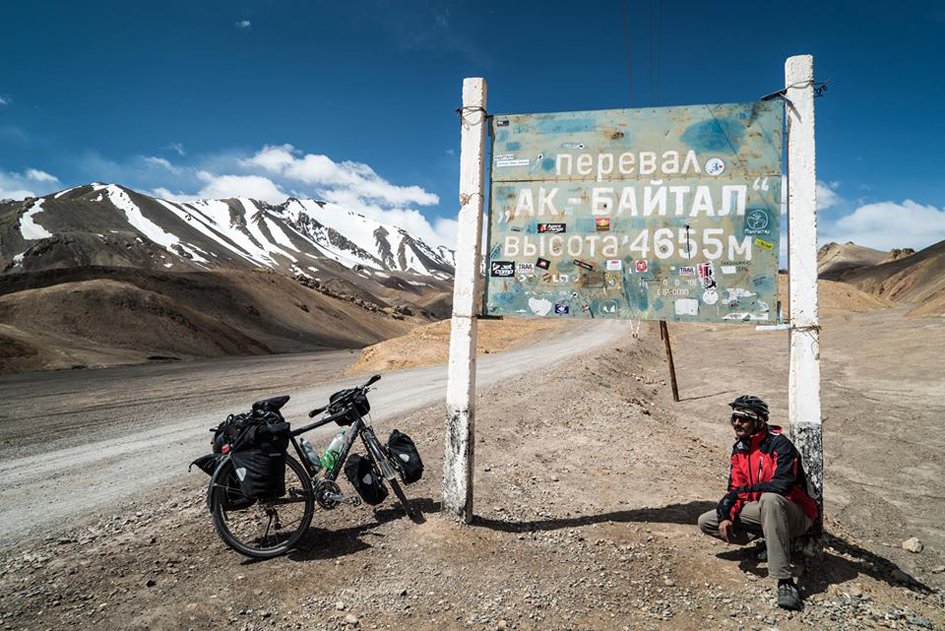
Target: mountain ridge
89	274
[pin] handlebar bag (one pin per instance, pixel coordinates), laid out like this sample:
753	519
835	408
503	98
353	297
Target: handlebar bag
405	453
352	399
361	475
258	456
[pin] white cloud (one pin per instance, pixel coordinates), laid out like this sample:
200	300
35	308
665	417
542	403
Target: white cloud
272	159
887	225
252	186
164	193
4	100
41	176
827	196
32	183
161	163
158	162
243	25
353	177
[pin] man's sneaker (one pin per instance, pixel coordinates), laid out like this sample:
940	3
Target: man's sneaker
788	597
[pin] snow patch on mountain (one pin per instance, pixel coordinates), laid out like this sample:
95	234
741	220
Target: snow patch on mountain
145	226
290	236
30	229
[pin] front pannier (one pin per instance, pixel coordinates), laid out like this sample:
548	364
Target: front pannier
403	449
360	473
258	456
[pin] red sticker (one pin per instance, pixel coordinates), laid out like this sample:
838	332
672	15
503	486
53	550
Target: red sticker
641	266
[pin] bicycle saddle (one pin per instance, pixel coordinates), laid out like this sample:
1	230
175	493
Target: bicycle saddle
272	404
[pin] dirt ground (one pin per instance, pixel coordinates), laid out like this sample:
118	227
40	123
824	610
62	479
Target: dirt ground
588	482
429	344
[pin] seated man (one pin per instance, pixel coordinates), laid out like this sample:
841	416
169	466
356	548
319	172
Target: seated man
767	494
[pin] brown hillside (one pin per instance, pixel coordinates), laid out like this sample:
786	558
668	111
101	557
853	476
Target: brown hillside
428	345
122	316
835	259
918	280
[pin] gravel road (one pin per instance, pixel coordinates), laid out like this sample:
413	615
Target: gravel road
74	442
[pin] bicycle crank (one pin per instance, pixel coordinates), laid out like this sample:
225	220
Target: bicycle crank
329	495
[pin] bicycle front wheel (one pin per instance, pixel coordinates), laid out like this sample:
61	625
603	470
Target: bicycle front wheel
412	514
262	529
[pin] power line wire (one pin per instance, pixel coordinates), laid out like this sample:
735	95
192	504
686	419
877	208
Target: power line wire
626	39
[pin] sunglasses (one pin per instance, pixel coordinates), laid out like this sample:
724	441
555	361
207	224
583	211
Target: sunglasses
742	418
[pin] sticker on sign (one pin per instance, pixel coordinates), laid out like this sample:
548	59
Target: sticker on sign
502	269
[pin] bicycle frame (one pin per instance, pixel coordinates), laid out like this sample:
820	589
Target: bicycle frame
357	428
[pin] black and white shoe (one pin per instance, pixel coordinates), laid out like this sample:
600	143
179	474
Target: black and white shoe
788	596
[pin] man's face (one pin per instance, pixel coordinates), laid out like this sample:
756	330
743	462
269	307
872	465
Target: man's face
744	423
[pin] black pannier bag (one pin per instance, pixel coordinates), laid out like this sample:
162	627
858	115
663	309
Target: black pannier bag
258	456
349	398
361	475
404	451
207	464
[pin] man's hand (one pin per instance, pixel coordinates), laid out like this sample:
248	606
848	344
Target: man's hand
725	530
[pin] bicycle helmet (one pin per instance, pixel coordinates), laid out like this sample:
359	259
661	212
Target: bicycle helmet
752	404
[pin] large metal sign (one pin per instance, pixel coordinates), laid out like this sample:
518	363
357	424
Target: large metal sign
661	213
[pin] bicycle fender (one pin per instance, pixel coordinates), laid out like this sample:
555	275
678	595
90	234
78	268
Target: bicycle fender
213	481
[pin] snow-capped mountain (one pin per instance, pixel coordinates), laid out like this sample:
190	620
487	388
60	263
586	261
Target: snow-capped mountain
108	224
99	275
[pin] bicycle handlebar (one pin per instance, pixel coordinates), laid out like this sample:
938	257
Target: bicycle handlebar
374	379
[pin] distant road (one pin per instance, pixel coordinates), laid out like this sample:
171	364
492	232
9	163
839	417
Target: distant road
72	442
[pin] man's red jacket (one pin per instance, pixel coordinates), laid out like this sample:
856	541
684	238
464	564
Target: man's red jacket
766	462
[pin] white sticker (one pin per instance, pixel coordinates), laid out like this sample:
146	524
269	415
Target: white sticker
737	293
614	265
710	296
745	317
513	163
540	306
687	306
714	166
729	269
504	156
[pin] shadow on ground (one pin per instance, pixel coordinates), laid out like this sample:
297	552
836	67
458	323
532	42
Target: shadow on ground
686	513
331	543
841	561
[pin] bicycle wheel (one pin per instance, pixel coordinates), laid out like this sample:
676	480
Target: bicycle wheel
411	513
262	529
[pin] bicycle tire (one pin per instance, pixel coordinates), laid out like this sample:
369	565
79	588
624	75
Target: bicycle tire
239	525
404	502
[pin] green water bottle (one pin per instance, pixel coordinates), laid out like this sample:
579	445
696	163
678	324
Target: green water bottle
332	453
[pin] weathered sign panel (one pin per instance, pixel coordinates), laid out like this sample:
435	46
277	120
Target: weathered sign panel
666	213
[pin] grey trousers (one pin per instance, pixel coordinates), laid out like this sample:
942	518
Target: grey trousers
773	517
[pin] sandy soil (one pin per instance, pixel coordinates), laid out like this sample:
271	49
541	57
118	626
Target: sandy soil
588	482
429	344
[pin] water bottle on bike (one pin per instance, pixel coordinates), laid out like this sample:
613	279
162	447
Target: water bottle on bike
330	457
310	454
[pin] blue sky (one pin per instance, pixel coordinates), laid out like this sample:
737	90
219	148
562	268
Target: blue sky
354	101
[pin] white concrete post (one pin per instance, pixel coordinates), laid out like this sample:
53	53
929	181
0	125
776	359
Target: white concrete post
804	386
458	458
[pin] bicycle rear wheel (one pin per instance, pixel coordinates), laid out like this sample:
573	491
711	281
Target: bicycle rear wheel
262	529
